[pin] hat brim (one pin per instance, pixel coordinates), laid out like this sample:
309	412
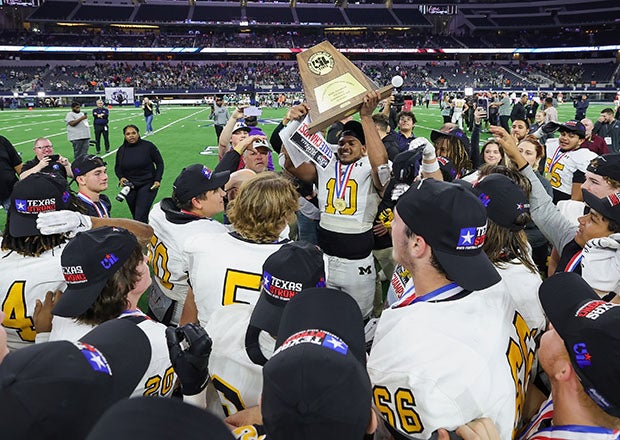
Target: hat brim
266	316
248	129
598	205
471	272
22	225
219	180
436	134
78	298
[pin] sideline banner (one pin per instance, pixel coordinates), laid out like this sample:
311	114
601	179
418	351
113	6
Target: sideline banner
119	95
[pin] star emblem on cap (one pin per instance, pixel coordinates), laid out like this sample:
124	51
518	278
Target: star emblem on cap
467	237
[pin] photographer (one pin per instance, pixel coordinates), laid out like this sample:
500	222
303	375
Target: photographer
45	161
138	163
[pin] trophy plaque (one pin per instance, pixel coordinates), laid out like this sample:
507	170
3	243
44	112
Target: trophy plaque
333	85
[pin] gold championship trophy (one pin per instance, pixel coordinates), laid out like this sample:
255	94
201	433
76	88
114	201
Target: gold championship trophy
333	85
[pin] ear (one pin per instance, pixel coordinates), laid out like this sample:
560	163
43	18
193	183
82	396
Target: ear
418	246
564	370
80	180
196	203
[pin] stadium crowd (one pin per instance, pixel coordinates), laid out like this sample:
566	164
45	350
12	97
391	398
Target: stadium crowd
502	261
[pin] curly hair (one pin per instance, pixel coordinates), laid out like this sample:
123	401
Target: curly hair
502	245
112	300
263	207
452	148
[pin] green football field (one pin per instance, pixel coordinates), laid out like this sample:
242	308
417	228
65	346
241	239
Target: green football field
181	133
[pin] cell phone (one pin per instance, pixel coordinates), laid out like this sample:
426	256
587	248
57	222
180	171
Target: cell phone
484	103
252	111
54	157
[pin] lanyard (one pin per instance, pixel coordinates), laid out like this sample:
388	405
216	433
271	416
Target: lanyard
103	212
443	293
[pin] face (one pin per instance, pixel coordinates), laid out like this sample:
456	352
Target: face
214	203
99	104
238	136
95	180
442	147
144	281
569	141
528	151
597	185
607	117
218	102
4	349
592	225
587	123
491	154
405	123
519	129
539	117
400	240
76	108
256	160
131	135
43	148
350	149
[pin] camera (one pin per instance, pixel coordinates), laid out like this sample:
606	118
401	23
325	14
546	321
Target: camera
54	157
122	195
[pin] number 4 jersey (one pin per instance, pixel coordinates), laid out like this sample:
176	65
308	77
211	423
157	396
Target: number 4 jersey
442	364
23	280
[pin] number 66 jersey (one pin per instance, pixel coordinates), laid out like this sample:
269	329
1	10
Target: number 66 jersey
442	364
23	280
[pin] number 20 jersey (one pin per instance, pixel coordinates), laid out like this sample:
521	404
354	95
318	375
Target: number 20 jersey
225	269
23	280
443	364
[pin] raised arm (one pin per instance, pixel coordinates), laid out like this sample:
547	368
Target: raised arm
305	171
377	155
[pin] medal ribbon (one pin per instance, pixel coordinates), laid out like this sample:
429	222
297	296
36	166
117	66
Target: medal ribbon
103	212
557	156
574	262
445	292
342	179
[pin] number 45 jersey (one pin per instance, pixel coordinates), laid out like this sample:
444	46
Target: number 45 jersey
226	269
23	280
442	364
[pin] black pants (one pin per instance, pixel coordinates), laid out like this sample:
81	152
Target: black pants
503	121
102	129
218	131
140	199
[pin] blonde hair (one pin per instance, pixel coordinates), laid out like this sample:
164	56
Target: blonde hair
263	207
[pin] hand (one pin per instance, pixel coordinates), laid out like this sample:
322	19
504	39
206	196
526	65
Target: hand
238	112
155	185
247	143
122	181
63	161
379	229
248	416
509	144
370	102
479	429
611	242
192	363
45	161
428	149
61	222
297	112
479	114
42	315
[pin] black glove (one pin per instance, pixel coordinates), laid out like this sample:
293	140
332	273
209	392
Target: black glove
549	127
190	364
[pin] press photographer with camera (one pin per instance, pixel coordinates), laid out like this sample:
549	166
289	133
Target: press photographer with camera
45	161
139	168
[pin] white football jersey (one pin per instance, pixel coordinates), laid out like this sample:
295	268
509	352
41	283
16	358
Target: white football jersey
523	284
361	199
238	380
159	379
561	165
442	364
23	280
166	255
225	269
459	105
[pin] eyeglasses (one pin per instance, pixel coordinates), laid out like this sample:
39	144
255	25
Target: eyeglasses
43	147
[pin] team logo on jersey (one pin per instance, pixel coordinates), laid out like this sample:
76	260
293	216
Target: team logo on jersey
109	260
74	274
321	63
471	238
317	337
280	289
95	358
582	357
35	206
593	309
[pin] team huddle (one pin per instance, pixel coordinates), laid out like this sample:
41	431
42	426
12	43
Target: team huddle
496	320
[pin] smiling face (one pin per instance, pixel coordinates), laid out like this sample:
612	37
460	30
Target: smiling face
405	123
350	149
42	148
528	151
492	154
569	141
95	180
591	225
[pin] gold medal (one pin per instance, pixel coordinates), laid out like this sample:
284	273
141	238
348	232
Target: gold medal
340	205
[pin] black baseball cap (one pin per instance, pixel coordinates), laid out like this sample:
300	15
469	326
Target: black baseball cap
59	389
315	385
608	207
85	164
292	268
607	165
589	328
453	132
39	192
406	166
454	222
195	180
150	418
447	168
504	200
355	129
88	261
571	126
